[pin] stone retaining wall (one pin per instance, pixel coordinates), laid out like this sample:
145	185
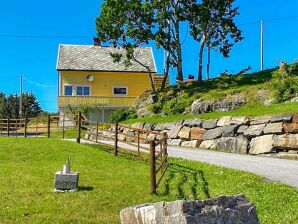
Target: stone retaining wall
239	134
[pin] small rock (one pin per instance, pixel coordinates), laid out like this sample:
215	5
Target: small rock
268	102
261	144
184	133
209	124
226	120
273	128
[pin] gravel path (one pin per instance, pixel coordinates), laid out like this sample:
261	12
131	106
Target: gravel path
282	170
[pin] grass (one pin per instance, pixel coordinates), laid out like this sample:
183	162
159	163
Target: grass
248	110
109	184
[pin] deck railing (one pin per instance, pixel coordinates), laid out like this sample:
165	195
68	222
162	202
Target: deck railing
95	100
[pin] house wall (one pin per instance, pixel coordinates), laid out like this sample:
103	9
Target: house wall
103	82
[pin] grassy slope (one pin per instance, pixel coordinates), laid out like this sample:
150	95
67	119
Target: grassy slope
249	110
108	184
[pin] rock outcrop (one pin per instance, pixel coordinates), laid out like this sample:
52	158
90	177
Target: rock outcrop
223	209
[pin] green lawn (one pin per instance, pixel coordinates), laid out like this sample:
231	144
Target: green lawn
249	110
109	184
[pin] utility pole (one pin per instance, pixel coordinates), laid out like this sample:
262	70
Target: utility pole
262	45
21	95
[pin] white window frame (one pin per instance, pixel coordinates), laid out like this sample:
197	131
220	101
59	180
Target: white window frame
74	89
126	87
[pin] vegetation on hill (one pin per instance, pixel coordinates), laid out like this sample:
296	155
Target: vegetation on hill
276	85
109	184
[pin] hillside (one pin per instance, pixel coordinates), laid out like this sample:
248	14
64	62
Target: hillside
248	94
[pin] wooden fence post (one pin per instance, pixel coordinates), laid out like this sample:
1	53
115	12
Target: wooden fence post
63	127
165	149
138	132
116	139
8	126
79	128
152	166
97	123
49	126
25	126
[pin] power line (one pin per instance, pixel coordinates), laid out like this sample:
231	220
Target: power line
39	84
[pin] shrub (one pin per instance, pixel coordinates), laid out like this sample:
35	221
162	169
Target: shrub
284	84
121	115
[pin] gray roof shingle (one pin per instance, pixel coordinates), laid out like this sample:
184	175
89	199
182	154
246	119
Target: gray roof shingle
97	58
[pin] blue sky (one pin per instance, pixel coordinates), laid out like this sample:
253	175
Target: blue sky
30	32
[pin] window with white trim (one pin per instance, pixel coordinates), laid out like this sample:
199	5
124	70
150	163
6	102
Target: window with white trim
120	90
76	90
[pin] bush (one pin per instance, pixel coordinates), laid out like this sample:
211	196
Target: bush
121	115
284	85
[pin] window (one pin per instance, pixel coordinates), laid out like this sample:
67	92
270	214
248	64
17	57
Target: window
68	90
74	90
83	91
120	91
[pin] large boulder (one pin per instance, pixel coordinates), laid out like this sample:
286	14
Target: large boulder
260	120
226	120
223	209
209	124
262	144
273	128
230	130
174	142
254	130
240	120
281	118
199	106
287	141
184	133
197	133
242	129
193	122
213	133
209	144
291	127
173	133
233	144
191	144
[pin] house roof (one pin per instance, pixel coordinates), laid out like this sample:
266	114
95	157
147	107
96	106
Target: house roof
98	58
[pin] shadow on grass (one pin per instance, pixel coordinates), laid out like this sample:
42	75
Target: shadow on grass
85	188
181	178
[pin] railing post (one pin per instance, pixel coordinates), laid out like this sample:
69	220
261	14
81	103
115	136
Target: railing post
8	126
138	142
97	123
79	128
165	149
49	126
25	126
116	139
36	127
63	126
152	166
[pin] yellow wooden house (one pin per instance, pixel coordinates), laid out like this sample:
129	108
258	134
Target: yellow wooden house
88	76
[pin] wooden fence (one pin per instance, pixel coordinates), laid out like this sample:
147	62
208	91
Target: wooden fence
146	144
129	140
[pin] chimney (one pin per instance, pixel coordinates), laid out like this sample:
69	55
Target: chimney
96	41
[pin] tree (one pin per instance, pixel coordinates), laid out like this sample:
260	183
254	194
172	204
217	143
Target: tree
213	26
131	24
10	107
